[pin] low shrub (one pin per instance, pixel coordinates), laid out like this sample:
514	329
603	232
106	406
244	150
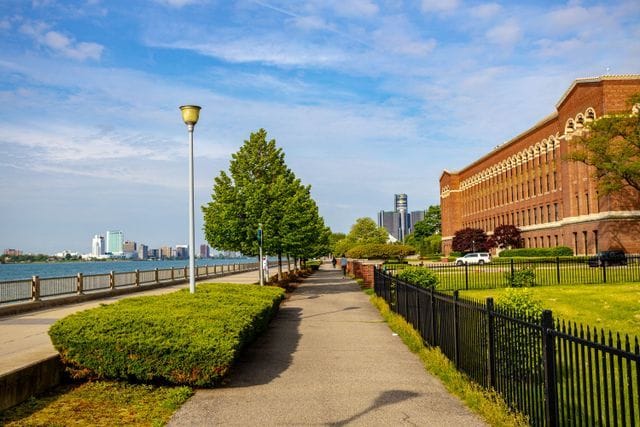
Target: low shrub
381	251
177	338
314	265
522	278
419	276
537	252
521	303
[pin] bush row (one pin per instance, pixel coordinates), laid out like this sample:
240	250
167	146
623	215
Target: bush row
178	338
537	252
380	251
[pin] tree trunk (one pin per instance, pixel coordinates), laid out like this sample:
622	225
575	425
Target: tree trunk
279	266
288	264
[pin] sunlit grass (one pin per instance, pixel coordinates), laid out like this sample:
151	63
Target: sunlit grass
614	307
100	403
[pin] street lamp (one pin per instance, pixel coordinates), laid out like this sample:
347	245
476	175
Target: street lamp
190	114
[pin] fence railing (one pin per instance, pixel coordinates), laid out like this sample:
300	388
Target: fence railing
558	271
37	288
554	373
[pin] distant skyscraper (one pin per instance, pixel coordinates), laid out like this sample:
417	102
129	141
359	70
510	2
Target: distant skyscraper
143	251
167	252
97	246
182	251
399	223
115	240
415	216
204	251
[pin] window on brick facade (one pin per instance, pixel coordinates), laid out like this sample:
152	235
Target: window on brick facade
586	200
555	180
548	188
586	243
557	241
575	242
548	213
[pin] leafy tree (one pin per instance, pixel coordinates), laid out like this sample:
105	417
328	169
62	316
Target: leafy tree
469	240
260	189
430	225
334	238
364	231
505	236
612	146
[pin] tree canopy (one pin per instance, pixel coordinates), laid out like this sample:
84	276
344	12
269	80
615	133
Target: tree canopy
430	225
470	240
364	231
611	144
505	236
261	189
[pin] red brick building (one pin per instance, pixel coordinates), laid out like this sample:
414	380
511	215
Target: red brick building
528	183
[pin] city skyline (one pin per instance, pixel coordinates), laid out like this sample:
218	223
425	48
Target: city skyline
363	97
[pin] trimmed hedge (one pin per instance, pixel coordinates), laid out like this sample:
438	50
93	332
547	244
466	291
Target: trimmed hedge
537	252
178	338
418	276
381	251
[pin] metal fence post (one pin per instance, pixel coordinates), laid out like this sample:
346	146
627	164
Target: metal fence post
172	274
157	276
35	288
466	276
491	337
112	280
512	271
548	353
456	345
207	269
432	304
558	269
604	271
79	284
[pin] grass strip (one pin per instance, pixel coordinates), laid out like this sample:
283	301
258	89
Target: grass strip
489	405
99	403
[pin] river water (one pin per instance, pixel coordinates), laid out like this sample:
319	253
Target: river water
65	269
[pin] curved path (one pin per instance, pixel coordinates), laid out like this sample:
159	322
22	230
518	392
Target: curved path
327	359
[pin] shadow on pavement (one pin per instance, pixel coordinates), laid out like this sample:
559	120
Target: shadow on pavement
385	398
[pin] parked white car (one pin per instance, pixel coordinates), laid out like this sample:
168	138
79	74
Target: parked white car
474	258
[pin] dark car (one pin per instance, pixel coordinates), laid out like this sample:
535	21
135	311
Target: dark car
607	258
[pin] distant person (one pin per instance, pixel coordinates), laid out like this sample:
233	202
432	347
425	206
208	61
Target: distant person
334	261
265	269
343	264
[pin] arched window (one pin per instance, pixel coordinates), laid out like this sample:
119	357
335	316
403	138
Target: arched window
591	114
570	126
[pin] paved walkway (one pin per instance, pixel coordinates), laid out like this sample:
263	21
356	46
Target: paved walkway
327	359
24	339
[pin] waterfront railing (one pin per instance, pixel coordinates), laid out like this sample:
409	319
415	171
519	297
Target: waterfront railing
37	289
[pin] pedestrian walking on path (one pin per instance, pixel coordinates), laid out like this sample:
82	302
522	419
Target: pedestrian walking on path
343	264
327	358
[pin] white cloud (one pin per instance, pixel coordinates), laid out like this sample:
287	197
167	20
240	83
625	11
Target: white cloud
439	5
506	34
178	3
356	8
60	43
486	10
560	48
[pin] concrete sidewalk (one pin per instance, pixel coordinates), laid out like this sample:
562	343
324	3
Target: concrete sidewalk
327	359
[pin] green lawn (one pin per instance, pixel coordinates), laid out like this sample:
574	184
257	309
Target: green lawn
614	307
101	403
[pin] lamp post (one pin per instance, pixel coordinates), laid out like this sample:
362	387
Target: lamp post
190	114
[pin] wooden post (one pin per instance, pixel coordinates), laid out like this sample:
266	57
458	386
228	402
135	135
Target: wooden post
79	284
137	277
112	280
35	288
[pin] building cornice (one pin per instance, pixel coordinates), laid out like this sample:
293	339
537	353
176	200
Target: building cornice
587	80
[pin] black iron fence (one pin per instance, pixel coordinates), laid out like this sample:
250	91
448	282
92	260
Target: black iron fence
557	374
551	271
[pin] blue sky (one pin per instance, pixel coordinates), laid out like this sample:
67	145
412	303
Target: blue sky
367	99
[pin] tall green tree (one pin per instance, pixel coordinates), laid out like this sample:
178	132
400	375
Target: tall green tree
612	146
261	189
364	231
430	225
